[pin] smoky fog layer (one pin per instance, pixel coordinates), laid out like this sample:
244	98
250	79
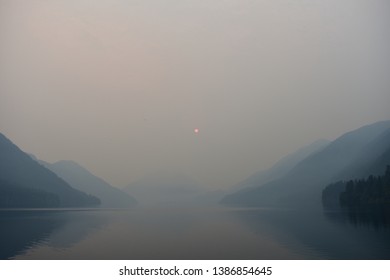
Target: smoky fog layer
212	91
194	130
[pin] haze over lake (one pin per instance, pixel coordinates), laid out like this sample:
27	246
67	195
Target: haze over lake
186	129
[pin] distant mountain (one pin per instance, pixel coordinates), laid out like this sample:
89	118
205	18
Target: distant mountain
26	183
165	189
302	186
371	161
82	179
282	167
207	198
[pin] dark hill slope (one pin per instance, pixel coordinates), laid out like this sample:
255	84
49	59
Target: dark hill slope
83	180
282	167
303	185
19	169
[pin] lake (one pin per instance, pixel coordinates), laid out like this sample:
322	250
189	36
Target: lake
191	233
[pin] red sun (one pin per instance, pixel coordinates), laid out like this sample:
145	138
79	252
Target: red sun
196	130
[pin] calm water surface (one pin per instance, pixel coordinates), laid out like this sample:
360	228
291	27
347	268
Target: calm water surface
212	233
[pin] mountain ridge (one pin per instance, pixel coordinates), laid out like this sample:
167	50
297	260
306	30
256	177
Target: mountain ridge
18	169
84	180
282	166
302	185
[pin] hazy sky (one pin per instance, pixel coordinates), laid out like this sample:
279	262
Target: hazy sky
119	85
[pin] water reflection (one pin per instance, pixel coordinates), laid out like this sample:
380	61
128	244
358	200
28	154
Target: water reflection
379	218
317	236
372	217
23	230
217	233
